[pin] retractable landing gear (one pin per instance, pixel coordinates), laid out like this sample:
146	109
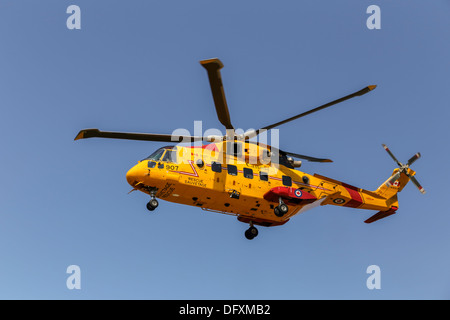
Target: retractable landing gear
251	232
153	203
281	209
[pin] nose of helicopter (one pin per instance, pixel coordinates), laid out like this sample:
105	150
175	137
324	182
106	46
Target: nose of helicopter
135	174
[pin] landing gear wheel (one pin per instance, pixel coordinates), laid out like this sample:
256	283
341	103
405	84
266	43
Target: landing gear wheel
277	212
281	210
251	233
152	204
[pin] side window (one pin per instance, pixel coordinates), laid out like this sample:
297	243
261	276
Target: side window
287	181
151	164
216	167
232	170
248	173
263	176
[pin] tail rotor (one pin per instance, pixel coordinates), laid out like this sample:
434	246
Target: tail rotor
403	168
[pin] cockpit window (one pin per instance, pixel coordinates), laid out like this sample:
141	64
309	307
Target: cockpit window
170	156
155	156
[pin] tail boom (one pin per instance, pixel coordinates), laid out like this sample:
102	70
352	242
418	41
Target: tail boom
346	195
384	199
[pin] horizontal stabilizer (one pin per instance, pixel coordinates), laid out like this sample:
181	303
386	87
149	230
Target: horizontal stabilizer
381	214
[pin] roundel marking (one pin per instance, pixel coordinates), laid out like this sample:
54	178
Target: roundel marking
298	193
339	201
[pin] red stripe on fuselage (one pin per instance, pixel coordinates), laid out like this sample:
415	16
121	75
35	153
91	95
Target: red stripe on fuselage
356	197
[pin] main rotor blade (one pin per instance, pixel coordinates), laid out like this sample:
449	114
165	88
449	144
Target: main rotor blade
392	155
416	183
213	67
301	156
95	133
355	94
413	159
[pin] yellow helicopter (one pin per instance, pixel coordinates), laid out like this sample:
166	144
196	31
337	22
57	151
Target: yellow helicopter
256	182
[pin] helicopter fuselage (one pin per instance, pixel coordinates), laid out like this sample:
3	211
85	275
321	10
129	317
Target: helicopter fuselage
242	184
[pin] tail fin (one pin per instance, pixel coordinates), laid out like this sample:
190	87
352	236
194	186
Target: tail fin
396	182
390	188
403	170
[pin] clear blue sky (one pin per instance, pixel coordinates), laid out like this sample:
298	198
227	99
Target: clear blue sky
133	66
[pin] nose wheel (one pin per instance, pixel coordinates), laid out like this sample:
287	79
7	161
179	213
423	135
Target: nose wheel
152	204
251	232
